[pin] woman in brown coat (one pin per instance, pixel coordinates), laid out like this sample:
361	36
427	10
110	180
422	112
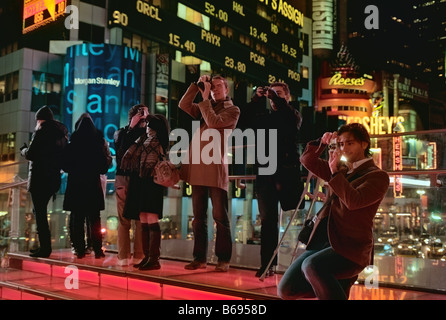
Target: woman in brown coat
341	244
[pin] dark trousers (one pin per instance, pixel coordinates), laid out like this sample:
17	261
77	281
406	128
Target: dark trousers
77	232
40	201
223	242
284	188
324	274
268	201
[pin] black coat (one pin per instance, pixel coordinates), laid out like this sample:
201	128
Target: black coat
86	157
286	120
123	139
45	153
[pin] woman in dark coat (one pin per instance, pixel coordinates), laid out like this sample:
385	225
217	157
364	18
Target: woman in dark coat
87	157
144	197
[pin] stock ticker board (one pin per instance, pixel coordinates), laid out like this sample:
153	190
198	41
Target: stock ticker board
269	54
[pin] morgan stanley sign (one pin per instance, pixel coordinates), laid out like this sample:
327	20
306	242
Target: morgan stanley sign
103	80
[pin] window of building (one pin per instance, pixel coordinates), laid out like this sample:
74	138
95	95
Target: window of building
91	33
7	147
193	16
9	86
99	3
2	88
46	91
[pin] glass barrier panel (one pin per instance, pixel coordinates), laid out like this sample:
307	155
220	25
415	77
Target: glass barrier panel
409	228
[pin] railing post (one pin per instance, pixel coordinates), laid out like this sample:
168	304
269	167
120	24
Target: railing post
15	217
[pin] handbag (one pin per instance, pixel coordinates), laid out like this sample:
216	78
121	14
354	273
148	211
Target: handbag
165	173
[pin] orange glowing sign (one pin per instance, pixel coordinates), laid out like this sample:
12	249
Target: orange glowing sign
37	13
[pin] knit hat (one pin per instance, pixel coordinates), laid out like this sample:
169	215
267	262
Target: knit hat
44	113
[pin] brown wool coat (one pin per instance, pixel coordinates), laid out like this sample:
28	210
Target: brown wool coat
221	116
352	210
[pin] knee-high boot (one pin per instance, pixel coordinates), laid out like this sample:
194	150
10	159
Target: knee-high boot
145	238
154	248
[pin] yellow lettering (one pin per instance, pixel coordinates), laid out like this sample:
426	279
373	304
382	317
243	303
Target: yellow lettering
381	125
293	75
256	58
148	10
389	122
274	4
286	10
374	125
238	8
366	123
377	125
337	80
210	37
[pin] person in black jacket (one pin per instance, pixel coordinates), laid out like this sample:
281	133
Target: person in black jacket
87	156
284	186
124	138
45	156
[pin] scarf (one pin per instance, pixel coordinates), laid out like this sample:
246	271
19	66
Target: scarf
142	156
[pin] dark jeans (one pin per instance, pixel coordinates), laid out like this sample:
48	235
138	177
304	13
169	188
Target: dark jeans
324	274
77	232
40	201
284	188
223	242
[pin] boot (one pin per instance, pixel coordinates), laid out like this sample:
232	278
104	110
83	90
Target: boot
154	248
44	250
145	237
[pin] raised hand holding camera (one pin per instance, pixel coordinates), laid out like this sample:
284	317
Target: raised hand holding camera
204	85
141	115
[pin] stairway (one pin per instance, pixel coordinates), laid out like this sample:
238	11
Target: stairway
64	277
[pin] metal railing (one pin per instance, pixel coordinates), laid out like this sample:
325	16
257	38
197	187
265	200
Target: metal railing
410	230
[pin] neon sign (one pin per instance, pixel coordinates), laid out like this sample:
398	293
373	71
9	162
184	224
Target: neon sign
337	80
377	125
286	10
397	166
323	24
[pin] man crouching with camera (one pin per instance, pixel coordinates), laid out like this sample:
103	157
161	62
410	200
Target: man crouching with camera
284	186
341	243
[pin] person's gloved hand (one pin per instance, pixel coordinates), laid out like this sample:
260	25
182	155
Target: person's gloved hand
23	149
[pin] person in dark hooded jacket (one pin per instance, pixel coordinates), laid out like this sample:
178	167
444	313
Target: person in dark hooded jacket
45	155
87	156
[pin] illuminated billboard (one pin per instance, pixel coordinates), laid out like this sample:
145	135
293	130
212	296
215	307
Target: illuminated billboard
38	13
103	80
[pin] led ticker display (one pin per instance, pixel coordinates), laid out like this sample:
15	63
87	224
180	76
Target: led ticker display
166	27
241	16
37	13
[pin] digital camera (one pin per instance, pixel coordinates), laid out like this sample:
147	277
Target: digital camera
264	90
200	84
